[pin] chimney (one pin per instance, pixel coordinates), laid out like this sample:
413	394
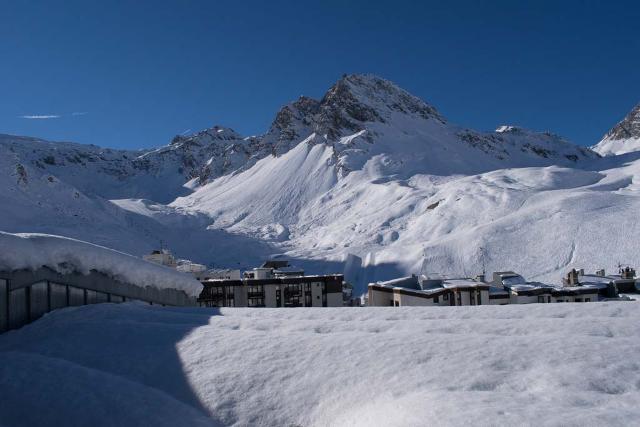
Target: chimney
572	278
628	273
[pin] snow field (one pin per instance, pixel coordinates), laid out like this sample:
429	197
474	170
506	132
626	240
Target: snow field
539	364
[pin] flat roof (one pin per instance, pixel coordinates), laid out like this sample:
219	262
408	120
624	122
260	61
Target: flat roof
274	280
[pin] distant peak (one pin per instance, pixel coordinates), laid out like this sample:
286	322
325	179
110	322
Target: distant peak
508	128
346	108
378	94
214	133
623	138
364	80
629	127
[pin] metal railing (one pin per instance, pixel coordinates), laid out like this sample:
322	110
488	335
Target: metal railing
26	295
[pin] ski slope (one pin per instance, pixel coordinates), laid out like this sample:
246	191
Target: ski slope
127	365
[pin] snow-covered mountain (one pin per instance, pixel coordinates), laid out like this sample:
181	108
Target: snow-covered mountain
369	180
158	174
623	137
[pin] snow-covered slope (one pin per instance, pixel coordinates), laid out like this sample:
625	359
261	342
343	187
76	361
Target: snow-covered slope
623	137
158	174
368	180
34	200
129	365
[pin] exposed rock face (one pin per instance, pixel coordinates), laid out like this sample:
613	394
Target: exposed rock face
629	127
345	109
367	98
623	137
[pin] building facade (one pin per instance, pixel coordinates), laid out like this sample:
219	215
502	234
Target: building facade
507	287
273	287
413	291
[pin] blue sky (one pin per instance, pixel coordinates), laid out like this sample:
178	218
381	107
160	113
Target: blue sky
134	74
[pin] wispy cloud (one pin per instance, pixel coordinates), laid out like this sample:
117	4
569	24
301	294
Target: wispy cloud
40	116
52	116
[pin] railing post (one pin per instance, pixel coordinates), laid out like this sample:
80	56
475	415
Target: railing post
4	326
48	296
27	300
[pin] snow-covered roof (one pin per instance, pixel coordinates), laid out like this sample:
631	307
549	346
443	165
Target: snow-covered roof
289	269
64	255
410	282
432	286
593	287
462	283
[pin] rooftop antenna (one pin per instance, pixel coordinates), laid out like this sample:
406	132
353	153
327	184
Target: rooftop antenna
423	268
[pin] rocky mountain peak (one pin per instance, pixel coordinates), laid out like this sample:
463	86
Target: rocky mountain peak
623	138
346	108
215	133
293	117
368	98
629	127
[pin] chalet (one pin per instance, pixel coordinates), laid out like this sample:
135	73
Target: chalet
274	284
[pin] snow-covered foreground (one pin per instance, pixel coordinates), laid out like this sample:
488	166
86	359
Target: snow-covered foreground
560	364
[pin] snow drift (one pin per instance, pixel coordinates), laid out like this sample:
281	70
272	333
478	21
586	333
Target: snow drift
64	255
537	364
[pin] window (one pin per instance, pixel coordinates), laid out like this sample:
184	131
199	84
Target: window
230	297
587	300
397	303
293	295
541	299
472	298
255	296
459	297
479	297
220	296
445	297
436	300
578	299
